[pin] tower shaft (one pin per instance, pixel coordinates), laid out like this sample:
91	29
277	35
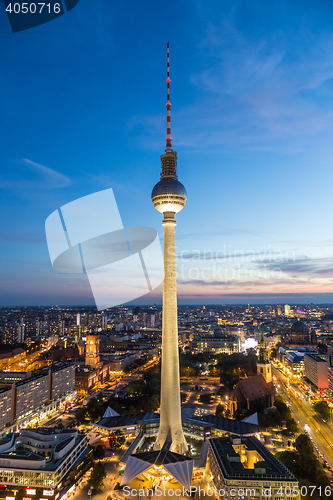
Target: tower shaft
170	413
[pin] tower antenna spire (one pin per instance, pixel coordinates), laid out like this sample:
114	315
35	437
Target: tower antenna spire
168	105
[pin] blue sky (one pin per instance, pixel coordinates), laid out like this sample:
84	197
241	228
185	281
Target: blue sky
83	109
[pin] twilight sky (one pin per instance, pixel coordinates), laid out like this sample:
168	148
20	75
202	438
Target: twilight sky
83	109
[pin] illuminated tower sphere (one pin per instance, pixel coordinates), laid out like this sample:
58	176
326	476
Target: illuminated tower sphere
169	197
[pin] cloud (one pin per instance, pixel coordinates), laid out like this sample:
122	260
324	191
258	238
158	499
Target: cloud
28	174
305	265
253	94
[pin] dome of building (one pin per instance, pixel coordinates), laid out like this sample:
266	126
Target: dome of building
168	186
169	195
299	327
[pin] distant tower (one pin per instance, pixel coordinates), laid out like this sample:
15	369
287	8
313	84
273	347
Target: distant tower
279	310
92	351
286	310
39	327
169	197
263	365
21	332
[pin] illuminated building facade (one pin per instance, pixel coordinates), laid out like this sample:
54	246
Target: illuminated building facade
5	406
30	394
244	468
226	344
22	394
34	463
316	370
92	351
61	380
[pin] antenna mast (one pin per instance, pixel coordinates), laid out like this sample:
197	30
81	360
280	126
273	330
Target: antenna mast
168	106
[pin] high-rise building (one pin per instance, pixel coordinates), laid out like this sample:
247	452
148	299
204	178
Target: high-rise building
10	332
104	322
21	332
286	310
169	197
279	309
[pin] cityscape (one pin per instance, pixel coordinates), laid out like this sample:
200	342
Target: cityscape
166	306
257	378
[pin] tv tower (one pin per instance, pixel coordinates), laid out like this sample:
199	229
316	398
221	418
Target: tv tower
169	197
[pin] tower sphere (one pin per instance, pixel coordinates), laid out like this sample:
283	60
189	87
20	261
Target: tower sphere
169	195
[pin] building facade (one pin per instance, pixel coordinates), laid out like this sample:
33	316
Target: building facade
316	370
34	463
25	395
227	344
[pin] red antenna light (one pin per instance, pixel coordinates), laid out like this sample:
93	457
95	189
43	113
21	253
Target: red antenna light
168	104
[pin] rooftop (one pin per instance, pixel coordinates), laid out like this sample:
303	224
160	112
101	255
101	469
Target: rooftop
232	467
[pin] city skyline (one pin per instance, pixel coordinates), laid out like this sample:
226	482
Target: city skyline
83	111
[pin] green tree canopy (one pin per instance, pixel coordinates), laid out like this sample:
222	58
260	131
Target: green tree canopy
80	415
292	427
322	408
99	452
282	408
304	464
219	410
97	477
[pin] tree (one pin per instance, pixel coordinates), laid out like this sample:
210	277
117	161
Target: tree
183	397
135	388
304	464
98	474
270	418
322	408
292	427
116	440
222	392
219	410
187	369
282	408
99	452
95	409
80	415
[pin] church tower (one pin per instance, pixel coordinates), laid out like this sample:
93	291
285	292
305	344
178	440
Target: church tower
92	351
263	366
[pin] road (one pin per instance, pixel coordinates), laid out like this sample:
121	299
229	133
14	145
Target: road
319	431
